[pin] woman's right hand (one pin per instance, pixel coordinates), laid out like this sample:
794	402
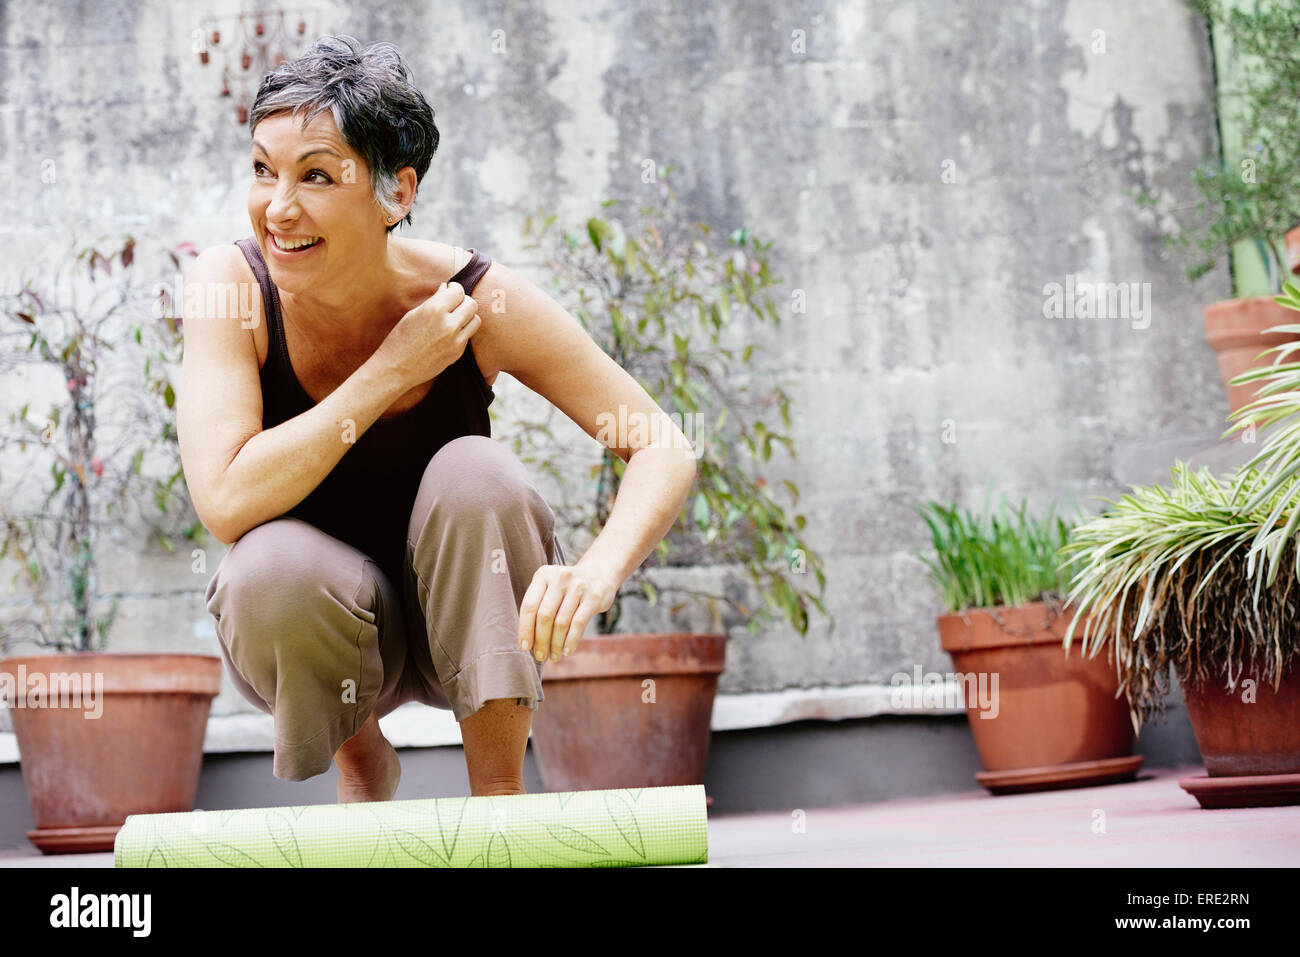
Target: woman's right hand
432	336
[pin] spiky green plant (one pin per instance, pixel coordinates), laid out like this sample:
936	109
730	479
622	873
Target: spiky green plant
1167	573
1277	463
1162	574
998	558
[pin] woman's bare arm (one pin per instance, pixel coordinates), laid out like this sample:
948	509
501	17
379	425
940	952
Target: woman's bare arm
535	340
238	475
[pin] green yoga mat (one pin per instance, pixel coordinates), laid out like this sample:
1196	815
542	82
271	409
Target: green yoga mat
629	827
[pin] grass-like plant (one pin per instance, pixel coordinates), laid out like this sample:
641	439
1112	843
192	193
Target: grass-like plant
999	558
1163	572
1173	574
1275	468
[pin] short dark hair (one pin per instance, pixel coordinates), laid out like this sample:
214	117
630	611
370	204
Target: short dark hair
377	108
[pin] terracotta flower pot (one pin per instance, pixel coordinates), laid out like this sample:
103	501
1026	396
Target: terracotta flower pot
1053	719
127	739
1234	328
1293	250
628	711
1251	749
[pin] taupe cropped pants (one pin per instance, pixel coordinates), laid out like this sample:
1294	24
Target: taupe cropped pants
314	633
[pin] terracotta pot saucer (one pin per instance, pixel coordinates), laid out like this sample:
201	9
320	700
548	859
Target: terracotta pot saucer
1073	775
74	840
1251	790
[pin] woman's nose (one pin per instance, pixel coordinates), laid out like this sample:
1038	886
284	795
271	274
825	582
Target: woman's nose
282	205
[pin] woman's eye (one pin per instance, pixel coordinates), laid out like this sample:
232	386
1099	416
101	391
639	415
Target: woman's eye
316	172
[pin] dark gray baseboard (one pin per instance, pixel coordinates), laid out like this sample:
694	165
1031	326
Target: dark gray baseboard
800	765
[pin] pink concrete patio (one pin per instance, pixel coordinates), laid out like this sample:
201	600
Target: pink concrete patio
1150	822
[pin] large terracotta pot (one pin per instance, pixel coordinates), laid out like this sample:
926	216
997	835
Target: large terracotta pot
628	711
1234	329
131	744
1054	721
1251	749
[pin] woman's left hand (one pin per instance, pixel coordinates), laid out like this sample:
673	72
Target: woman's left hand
557	606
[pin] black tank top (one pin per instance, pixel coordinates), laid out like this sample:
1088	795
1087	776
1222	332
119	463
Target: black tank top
366	500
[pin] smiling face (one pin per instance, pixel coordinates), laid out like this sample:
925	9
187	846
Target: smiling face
309	185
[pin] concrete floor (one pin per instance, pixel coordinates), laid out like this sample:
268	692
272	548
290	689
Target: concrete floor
1150	822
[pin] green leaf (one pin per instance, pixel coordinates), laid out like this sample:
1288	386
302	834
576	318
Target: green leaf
702	511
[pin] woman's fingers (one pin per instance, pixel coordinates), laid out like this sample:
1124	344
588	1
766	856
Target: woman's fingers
588	608
558	606
528	611
543	629
567	619
537	613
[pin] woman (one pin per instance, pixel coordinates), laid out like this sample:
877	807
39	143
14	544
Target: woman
384	548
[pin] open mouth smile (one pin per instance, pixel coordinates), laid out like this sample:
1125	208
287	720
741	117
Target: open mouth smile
293	247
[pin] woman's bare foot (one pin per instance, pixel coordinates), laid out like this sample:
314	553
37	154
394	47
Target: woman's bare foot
369	769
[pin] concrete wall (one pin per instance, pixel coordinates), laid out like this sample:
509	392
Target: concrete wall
926	168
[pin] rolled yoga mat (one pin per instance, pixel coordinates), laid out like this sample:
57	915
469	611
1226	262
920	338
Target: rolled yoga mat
629	827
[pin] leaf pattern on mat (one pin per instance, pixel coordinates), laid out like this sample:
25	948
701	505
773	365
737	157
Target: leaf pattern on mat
540	853
419	849
621	813
282	833
575	839
173	858
443	809
232	856
388	859
545	831
498	851
417	806
617	864
379	842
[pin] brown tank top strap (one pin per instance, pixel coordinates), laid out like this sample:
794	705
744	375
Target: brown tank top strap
469	274
276	345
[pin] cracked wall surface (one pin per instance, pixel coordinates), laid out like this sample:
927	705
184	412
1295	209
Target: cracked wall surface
926	169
